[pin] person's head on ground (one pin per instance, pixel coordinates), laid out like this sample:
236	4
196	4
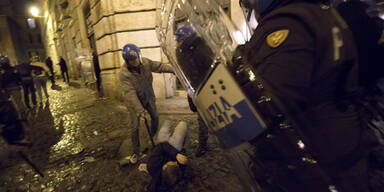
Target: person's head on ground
131	55
171	173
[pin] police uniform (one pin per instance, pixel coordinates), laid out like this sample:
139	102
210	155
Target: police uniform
11	128
305	54
195	58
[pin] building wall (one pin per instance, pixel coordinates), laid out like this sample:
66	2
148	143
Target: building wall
115	23
15	40
6	45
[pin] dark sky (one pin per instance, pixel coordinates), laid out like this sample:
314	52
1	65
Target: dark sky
19	7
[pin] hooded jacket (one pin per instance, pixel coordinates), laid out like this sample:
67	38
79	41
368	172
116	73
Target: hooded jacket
136	83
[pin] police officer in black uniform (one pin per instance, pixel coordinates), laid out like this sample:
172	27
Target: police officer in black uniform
306	57
11	128
195	58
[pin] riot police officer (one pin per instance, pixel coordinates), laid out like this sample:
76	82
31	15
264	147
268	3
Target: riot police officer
194	56
11	128
11	82
306	57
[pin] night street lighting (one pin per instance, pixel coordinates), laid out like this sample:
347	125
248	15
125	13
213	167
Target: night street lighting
34	11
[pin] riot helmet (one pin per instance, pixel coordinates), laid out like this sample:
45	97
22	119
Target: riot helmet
131	55
183	32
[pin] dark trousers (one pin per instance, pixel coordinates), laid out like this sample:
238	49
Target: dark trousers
63	73
29	88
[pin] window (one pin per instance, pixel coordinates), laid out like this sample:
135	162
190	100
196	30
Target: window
31	23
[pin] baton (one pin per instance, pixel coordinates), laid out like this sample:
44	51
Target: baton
149	132
25	158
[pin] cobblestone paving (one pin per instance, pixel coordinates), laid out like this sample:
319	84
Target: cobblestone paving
76	144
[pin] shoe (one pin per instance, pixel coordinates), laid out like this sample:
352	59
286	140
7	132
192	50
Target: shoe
201	151
125	161
133	159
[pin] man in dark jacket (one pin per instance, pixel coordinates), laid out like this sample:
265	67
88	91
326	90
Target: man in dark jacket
195	58
49	64
11	128
25	72
311	68
64	69
11	82
166	162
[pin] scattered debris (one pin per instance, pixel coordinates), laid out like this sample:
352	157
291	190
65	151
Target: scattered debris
89	159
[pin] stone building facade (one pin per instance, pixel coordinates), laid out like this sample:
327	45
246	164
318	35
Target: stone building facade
73	27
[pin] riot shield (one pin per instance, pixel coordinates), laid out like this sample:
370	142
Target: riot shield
201	61
235	102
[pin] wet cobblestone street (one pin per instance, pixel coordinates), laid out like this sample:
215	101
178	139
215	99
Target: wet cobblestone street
76	145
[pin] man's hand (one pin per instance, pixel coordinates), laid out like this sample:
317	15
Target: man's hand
182	159
144	116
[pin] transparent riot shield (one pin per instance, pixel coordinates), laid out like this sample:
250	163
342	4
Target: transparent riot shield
234	101
201	61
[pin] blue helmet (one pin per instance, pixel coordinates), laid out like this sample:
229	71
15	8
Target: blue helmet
183	32
131	52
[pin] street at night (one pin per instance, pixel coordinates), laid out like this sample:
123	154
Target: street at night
76	140
192	95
